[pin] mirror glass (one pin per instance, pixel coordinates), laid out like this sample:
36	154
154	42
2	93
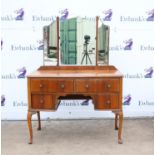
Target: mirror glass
76	41
50	35
103	44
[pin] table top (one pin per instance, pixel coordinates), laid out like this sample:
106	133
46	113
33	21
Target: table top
109	71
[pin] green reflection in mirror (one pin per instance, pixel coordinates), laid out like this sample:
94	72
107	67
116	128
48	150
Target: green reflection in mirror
76	41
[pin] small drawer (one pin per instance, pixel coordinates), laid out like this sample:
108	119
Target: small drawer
107	101
45	101
51	85
66	86
43	85
108	85
85	86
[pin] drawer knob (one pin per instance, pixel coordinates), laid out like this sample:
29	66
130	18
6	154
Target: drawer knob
41	85
108	85
108	102
41	101
62	86
87	86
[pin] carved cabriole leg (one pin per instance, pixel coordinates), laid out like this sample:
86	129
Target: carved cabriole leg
116	121
29	123
120	141
29	116
39	123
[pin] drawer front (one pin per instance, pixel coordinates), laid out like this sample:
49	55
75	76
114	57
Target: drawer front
51	85
109	85
43	85
66	86
107	101
85	86
39	101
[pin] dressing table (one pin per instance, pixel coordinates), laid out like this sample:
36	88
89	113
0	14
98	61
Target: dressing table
71	79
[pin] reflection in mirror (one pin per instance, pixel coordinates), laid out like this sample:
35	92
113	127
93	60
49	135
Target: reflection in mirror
77	41
50	44
103	43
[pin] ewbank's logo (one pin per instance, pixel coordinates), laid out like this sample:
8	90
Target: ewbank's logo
148	72
150	14
147	47
40	45
74	103
2	100
85	102
22	72
20	75
1	44
127	100
19	104
64	14
108	15
125	46
128	44
19	14
145	102
139	18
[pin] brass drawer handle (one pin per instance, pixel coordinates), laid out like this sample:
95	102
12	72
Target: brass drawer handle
87	86
62	86
41	85
108	102
41	101
108	85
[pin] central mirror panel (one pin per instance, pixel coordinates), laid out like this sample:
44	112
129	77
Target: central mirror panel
76	41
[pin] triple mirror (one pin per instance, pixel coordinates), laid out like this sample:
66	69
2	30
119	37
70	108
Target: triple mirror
76	41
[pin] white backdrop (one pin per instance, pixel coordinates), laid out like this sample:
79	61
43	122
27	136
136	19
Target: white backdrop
131	51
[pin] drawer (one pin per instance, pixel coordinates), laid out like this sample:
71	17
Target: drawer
43	85
39	101
51	85
85	86
108	85
66	86
107	101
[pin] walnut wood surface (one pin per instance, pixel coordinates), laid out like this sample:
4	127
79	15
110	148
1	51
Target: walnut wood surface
48	85
76	71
